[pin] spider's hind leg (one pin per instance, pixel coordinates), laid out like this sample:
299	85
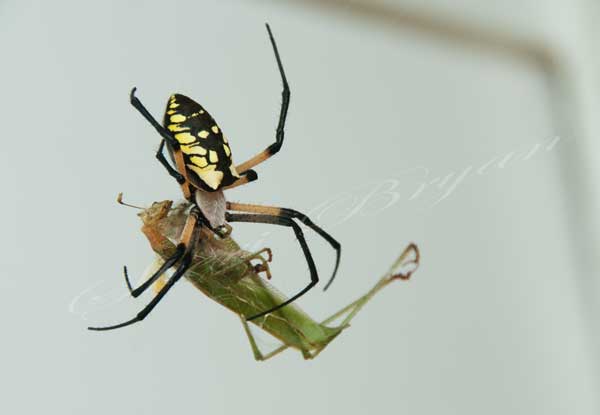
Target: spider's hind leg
282	221
293	214
189	239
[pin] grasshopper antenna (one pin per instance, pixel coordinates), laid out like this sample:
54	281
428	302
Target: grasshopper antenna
120	202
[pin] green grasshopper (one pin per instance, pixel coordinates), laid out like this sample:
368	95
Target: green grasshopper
225	273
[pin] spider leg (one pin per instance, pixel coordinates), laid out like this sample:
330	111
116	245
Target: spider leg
283	221
180	250
189	239
293	214
247	177
160	155
185	263
180	173
137	104
285	103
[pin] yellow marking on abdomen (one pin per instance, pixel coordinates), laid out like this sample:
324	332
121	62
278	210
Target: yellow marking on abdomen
185	138
199	161
227	150
199	169
193	150
213	178
176	128
178	118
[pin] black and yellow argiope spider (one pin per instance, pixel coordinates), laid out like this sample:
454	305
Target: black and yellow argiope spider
204	169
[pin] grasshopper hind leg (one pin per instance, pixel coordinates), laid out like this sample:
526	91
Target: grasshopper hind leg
258	354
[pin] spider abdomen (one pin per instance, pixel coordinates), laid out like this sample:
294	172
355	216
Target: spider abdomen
206	153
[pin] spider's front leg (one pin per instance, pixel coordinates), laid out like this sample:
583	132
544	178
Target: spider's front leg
160	156
178	174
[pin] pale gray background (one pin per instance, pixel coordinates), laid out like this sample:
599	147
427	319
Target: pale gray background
501	317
